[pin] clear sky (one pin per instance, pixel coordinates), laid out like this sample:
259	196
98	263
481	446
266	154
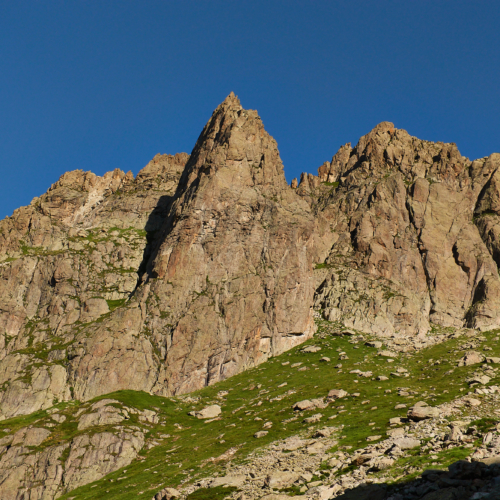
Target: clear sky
96	85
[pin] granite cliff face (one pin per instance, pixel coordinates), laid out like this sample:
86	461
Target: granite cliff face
205	265
232	275
69	258
415	235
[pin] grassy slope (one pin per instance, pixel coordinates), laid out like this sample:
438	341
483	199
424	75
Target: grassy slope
187	454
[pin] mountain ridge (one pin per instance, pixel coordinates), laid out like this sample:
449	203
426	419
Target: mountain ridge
215	249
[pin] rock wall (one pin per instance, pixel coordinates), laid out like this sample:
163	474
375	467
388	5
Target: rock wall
66	261
233	274
415	235
161	283
32	466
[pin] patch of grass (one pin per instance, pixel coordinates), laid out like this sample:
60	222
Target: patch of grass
292	491
485	425
421	460
16	423
113	304
331	184
8	259
323	265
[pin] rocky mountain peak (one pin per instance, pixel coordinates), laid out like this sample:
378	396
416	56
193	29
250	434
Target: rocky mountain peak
209	264
233	220
234	138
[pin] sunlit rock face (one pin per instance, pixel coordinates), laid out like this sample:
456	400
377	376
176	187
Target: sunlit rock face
207	264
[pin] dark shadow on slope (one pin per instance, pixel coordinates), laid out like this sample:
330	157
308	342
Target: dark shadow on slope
169	221
153	230
462	481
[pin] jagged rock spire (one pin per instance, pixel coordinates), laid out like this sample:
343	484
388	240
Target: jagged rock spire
238	235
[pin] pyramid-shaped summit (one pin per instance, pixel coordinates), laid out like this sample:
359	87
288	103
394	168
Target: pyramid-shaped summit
234	218
235	138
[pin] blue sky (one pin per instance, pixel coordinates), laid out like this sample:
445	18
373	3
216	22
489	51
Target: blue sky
97	85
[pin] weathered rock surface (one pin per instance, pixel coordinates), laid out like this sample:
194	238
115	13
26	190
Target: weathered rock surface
56	469
167	494
422	411
160	283
66	260
211	411
233	271
415	235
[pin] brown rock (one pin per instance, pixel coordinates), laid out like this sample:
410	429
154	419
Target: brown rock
304	405
422	411
337	394
400	199
205	267
279	479
211	411
471	358
167	494
206	261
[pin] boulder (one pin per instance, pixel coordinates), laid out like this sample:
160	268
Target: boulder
374	343
167	494
337	394
311	348
471	358
491	359
313	418
406	443
211	411
387	354
324	432
422	411
279	479
478	379
396	433
306	404
472	401
235	481
260	434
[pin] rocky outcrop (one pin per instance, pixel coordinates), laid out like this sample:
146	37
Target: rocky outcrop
67	260
233	272
33	466
160	283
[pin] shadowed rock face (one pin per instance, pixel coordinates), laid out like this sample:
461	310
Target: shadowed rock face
64	261
203	265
